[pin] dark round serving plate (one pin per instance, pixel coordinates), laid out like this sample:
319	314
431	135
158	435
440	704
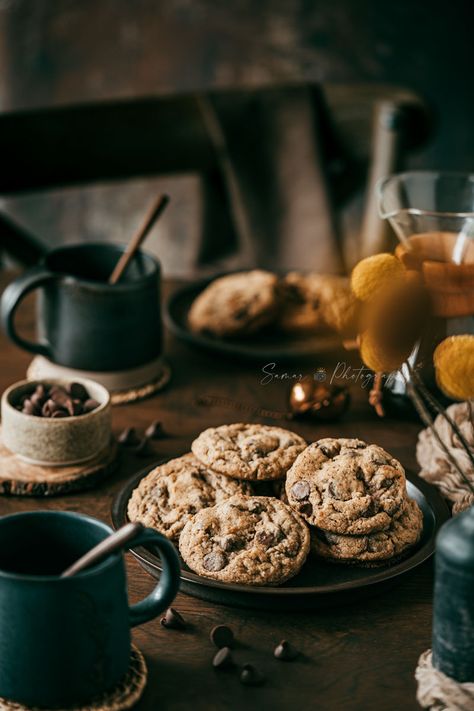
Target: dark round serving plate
266	345
319	583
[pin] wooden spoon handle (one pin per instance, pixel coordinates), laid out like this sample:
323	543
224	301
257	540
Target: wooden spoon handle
118	540
138	238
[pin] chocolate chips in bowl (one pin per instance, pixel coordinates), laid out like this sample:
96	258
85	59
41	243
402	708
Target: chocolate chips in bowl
70	400
56	422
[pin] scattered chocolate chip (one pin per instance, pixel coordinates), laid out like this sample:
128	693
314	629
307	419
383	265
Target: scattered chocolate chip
222	658
214	561
222	636
129	437
306	509
285	652
90	404
173	620
155	431
77	391
300	490
144	448
249	676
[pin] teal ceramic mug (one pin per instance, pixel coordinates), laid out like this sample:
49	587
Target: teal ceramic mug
65	640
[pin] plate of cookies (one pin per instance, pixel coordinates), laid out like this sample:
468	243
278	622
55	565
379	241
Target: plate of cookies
263	519
259	314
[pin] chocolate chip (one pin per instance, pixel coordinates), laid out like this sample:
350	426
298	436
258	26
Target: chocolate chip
144	448
28	408
266	538
60	413
77	391
129	437
91	404
306	509
222	636
155	431
249	676
49	407
74	407
173	620
59	395
285	652
214	561
46	400
300	490
230	543
222	659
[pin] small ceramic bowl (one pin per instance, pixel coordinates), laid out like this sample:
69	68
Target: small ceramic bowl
55	441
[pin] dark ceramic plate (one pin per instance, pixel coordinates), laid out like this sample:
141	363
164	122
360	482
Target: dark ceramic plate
319	583
266	345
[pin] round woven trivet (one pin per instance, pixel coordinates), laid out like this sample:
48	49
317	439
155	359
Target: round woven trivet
123	397
123	697
40	369
439	692
22	478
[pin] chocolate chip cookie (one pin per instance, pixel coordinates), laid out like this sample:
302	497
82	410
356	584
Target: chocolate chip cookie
346	486
374	548
246	451
173	492
301	302
235	304
252	540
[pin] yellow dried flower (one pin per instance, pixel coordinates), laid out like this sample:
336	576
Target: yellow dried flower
377	356
373	273
454	366
392	324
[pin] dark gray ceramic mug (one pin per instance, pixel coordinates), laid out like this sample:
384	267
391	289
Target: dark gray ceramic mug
64	640
84	322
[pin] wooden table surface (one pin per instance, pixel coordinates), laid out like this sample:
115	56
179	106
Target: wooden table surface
361	655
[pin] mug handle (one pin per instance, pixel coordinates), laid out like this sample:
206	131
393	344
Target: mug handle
11	299
165	592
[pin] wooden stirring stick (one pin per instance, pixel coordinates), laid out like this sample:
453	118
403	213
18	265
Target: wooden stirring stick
139	237
118	540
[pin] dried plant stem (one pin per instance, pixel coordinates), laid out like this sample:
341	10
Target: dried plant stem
418	383
428	421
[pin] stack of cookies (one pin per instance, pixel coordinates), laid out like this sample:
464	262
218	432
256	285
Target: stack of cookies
353	495
244	303
343	498
206	501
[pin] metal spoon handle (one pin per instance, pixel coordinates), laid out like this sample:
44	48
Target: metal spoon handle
118	540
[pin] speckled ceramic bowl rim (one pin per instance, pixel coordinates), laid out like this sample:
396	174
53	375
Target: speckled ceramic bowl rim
53	421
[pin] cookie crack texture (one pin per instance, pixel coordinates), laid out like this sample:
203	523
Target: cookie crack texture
172	493
346	486
245	451
269	541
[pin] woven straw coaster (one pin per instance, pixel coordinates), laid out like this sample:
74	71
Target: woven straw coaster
42	369
123	397
123	697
